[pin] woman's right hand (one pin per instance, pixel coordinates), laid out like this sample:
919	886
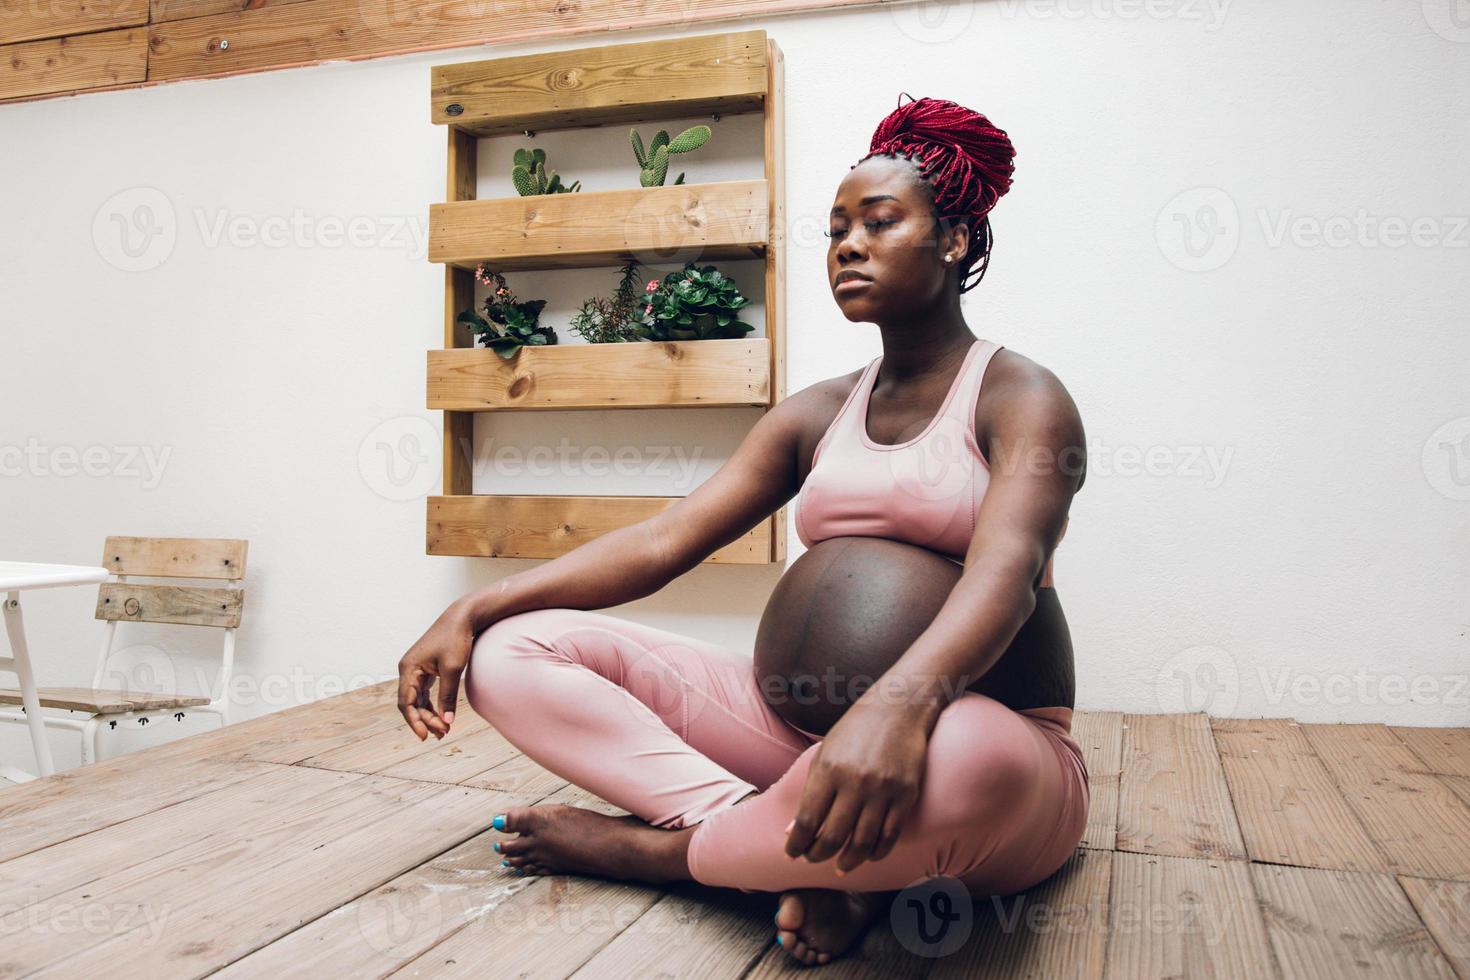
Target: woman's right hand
442	652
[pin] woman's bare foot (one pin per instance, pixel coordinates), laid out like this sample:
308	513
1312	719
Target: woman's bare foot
816	925
555	839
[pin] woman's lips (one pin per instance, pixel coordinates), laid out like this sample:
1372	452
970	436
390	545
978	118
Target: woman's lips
851	285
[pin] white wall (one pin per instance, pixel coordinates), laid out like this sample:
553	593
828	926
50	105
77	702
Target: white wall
1326	544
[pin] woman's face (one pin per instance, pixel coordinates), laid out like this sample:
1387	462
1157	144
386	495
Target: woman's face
882	228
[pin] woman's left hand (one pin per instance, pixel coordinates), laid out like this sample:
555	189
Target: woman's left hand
862	785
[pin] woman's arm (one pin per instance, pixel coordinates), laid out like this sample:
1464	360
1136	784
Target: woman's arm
613	568
1037	454
867	773
638	560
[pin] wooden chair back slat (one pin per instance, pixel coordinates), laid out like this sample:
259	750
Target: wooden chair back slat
217	558
180	604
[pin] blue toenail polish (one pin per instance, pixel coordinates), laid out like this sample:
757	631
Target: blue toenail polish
499	822
496	845
505	864
780	941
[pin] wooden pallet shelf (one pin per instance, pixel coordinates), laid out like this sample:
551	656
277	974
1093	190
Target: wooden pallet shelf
614	84
544	526
703	222
706	222
673	374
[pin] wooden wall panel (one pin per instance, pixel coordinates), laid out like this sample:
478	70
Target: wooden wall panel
216	38
32	20
70	64
160	11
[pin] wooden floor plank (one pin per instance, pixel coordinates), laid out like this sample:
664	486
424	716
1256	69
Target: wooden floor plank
1172	795
1100	733
202	909
1056	930
878	956
1325	925
327	840
396	745
547	930
690	932
291	735
1444	750
518	776
1444	908
1290	809
1415	817
458	758
195	826
396	922
1184	917
79	801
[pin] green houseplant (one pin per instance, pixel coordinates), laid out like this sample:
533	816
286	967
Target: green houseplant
615	319
694	303
653	165
530	176
507	324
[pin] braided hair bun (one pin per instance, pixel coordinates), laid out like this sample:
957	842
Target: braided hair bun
964	158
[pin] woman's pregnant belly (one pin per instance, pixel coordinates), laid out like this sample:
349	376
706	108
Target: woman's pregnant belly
849	607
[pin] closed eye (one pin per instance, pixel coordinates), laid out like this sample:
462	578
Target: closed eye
870	225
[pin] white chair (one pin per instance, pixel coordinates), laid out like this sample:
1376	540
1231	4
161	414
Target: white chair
121	600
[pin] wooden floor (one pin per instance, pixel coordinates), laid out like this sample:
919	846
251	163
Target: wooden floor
327	840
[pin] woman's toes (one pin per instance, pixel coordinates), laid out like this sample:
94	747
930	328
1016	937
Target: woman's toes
790	913
513	846
516	820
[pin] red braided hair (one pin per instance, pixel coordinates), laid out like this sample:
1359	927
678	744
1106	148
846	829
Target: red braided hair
963	157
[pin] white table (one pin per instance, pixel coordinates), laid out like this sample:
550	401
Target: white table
15	578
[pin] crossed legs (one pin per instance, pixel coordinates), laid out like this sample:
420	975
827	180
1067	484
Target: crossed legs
675	730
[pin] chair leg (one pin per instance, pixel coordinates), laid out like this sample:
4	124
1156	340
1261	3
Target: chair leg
91	741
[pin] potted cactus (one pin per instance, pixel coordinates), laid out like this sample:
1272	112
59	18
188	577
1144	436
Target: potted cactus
653	165
530	175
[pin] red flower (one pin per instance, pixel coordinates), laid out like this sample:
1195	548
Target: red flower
652	285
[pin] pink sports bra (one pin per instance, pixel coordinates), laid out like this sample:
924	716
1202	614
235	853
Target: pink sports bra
925	491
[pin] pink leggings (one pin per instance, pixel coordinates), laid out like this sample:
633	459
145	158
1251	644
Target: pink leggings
675	731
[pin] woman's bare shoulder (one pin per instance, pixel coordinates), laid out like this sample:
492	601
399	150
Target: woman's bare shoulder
812	410
1014	383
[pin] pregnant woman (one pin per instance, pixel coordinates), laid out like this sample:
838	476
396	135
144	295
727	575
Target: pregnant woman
908	709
